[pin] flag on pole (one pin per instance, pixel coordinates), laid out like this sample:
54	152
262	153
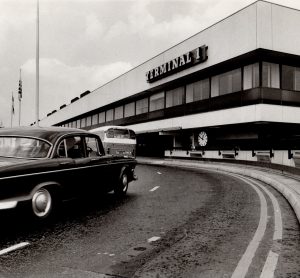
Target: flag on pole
20	88
12	104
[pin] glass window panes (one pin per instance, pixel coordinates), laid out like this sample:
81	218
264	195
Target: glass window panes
251	76
230	82
142	106
215	86
270	75
226	83
121	133
89	121
129	109
92	146
175	97
101	117
83	122
23	147
109	115
119	112
197	91
132	134
74	147
290	78
110	133
95	119
157	101
78	123
61	150
297	79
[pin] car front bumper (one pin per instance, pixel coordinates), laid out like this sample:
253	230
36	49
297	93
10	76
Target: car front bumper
8	204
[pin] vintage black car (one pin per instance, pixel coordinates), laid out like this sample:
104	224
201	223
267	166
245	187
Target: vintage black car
44	166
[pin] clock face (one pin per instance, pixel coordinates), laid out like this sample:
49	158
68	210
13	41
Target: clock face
202	138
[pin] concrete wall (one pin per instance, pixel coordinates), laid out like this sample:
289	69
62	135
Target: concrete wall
247	114
260	25
280	156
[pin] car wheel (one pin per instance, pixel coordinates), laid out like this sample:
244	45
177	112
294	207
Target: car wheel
42	203
122	185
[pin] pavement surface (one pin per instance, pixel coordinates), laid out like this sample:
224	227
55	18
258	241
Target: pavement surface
287	184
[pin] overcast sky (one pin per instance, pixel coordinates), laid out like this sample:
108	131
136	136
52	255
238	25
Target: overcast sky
86	43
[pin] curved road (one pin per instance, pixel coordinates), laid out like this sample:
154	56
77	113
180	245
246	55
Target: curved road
173	223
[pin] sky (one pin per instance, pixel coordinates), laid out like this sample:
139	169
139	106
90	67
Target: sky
86	43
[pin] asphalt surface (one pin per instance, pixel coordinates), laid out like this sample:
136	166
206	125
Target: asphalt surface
173	223
286	183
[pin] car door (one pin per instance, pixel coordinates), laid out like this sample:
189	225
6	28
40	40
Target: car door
74	165
101	174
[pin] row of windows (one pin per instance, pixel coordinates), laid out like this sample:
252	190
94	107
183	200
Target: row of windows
218	85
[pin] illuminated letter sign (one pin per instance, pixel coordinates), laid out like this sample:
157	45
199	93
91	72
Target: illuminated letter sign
196	56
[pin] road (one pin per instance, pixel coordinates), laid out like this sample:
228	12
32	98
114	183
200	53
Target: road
173	223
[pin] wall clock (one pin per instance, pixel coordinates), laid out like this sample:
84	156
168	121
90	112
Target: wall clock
202	138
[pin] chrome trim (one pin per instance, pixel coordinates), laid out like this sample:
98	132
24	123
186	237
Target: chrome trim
8	204
62	170
31	137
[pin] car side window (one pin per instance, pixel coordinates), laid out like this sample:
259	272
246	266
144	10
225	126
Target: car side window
61	150
74	147
92	147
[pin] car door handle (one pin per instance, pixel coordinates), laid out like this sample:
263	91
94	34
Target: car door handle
99	159
65	163
94	159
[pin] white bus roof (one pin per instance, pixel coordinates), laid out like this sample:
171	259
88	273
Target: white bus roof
105	128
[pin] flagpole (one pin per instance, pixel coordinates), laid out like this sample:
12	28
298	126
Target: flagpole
20	97
37	66
12	109
19	112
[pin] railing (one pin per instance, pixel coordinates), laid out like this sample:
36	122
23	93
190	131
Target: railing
283	157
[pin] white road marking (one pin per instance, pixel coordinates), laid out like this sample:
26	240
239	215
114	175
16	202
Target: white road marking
244	263
277	213
14	247
272	259
154	188
270	265
154	238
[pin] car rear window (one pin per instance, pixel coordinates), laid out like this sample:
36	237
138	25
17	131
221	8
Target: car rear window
23	147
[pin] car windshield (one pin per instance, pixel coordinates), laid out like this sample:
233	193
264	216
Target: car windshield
23	147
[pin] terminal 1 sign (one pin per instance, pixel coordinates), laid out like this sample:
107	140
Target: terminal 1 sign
191	58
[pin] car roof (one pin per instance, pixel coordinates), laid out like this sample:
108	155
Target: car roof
50	134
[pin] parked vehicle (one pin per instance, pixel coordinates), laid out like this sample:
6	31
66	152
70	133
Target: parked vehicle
43	166
117	140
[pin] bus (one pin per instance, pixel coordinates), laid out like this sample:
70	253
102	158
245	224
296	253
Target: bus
117	140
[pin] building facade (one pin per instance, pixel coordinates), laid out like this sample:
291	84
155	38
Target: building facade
232	91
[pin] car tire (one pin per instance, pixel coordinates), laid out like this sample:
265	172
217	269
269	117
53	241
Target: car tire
122	185
42	203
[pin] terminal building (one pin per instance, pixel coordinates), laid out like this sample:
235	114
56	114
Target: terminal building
231	91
